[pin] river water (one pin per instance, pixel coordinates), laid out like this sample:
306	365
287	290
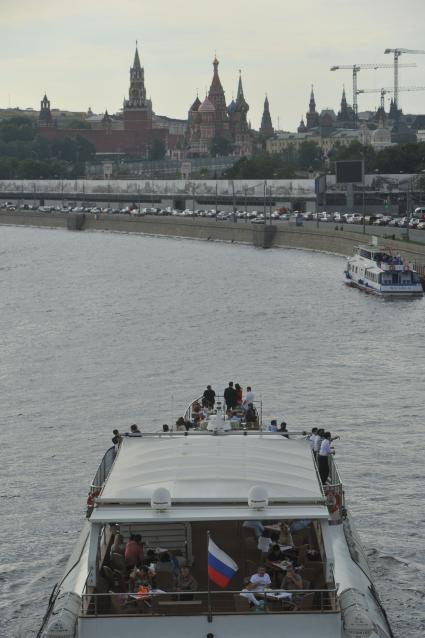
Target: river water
102	330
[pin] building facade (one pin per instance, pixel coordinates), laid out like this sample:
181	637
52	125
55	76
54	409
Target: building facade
132	133
212	122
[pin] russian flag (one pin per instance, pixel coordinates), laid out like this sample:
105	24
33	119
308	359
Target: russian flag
221	568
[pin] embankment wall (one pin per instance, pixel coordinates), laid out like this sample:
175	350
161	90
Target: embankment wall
283	236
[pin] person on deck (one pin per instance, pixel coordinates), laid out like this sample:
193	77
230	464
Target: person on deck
325	451
208	398
238	391
251	417
186	583
230	396
291	580
133	552
283	431
249	398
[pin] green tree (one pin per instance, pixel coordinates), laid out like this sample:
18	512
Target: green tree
406	158
8	166
310	155
157	150
17	128
220	146
261	166
354	151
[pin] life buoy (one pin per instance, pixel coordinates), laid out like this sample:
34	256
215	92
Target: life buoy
405	268
91	497
333	500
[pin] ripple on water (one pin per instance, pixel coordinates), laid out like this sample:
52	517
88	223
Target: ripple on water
105	330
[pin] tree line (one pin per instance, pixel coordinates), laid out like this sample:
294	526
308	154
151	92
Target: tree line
400	158
24	154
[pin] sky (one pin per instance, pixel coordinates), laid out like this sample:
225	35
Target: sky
80	52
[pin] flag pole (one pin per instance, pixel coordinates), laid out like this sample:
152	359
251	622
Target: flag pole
208	581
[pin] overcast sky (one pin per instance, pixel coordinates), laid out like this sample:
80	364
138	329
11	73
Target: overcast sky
80	52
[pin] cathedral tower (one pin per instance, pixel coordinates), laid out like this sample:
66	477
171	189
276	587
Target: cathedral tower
216	97
266	127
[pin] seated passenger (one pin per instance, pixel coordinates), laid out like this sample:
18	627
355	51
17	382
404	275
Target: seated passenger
291	580
273	426
265	541
133	553
166	564
196	407
247	592
186	582
134	430
273	563
285	536
283	431
139	576
251	417
260	580
180	424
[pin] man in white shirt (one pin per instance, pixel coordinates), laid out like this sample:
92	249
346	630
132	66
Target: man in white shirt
323	457
249	398
260	580
257	583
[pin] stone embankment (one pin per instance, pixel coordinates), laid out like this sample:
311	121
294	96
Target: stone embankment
283	235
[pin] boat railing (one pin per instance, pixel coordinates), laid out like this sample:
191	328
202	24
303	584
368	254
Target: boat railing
334	493
219	399
104	469
209	603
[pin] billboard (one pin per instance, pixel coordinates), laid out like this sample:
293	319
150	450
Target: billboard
349	172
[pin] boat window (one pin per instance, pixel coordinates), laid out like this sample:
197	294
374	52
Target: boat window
248	543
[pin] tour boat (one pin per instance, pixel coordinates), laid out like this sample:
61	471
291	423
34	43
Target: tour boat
210	496
374	269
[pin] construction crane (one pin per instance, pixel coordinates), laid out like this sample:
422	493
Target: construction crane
386	90
397	54
355	68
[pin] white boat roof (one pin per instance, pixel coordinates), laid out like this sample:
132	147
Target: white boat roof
208	468
127	514
375	270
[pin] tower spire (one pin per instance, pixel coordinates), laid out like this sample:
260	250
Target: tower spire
136	63
266	127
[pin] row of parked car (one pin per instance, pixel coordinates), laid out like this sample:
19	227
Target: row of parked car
375	220
256	217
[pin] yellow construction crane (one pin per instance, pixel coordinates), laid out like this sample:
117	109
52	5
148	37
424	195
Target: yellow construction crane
397	54
355	68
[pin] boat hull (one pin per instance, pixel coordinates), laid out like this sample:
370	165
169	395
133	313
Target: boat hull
390	294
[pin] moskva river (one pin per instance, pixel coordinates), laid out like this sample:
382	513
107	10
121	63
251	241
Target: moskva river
104	330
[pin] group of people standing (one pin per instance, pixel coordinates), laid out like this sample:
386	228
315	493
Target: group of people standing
233	397
321	446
